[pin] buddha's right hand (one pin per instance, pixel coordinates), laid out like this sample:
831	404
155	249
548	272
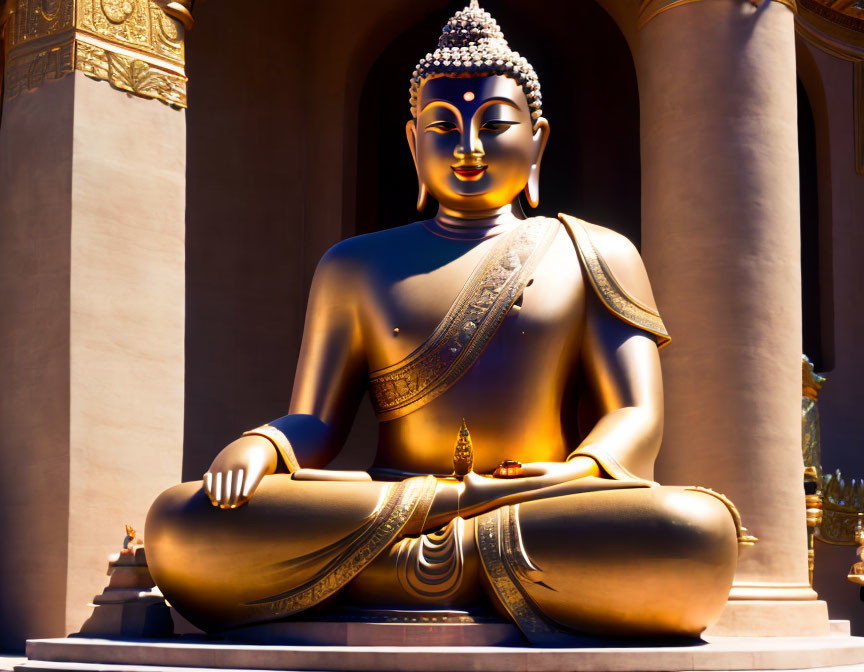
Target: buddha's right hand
238	469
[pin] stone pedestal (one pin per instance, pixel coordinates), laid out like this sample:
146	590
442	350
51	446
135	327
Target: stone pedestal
130	605
92	199
721	242
779	653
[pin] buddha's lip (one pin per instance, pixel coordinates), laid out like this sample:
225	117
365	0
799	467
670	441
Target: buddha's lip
469	172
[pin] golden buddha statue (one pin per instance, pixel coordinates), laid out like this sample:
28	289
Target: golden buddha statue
483	314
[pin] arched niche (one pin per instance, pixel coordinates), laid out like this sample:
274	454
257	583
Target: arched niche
591	166
817	287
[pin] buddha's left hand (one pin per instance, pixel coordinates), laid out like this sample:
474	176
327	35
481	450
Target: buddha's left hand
575	468
481	493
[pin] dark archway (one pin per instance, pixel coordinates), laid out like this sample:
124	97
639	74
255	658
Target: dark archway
811	272
591	167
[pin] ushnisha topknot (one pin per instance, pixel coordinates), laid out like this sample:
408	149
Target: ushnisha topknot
472	44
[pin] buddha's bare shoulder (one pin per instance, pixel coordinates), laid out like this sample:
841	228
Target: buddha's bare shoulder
356	257
624	260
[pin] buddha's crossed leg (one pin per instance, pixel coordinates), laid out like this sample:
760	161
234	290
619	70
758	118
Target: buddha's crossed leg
645	561
641	561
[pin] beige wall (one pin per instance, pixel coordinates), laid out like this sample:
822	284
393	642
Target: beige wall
127	323
839	403
92	275
35	192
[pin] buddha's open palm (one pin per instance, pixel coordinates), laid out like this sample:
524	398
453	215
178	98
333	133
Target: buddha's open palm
238	469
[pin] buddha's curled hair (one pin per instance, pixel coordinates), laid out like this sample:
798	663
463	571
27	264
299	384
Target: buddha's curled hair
472	44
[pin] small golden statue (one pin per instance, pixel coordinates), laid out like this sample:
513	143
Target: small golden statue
271	533
463	454
856	572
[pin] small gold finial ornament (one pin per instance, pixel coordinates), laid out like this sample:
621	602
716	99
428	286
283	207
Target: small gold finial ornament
463	453
130	540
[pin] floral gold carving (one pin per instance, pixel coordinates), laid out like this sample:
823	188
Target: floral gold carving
117	11
131	74
36	19
135	45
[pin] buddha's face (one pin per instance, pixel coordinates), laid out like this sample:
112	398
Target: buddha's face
474	142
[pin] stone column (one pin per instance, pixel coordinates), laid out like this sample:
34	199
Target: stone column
92	200
721	241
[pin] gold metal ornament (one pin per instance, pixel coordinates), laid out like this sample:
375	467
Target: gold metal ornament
135	45
463	453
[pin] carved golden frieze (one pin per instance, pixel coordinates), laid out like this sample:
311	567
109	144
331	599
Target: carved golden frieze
135	45
840	35
837	28
648	9
131	74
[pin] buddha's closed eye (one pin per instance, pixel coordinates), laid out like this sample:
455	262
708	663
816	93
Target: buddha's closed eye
497	125
442	127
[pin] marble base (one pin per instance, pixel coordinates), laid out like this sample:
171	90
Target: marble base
197	655
322	633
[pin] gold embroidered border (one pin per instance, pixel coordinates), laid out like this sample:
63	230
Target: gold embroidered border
280	442
613	295
469	324
496	545
743	535
399	506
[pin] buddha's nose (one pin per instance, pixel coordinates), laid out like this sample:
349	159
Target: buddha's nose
470	148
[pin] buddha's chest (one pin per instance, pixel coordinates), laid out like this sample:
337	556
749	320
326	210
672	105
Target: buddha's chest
546	316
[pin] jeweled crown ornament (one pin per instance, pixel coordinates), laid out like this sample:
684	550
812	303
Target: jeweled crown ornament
472	45
463	453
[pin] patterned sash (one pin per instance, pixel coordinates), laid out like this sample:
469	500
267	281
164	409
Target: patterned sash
610	291
472	320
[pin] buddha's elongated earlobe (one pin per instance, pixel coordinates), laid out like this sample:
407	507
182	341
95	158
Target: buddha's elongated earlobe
532	187
411	133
